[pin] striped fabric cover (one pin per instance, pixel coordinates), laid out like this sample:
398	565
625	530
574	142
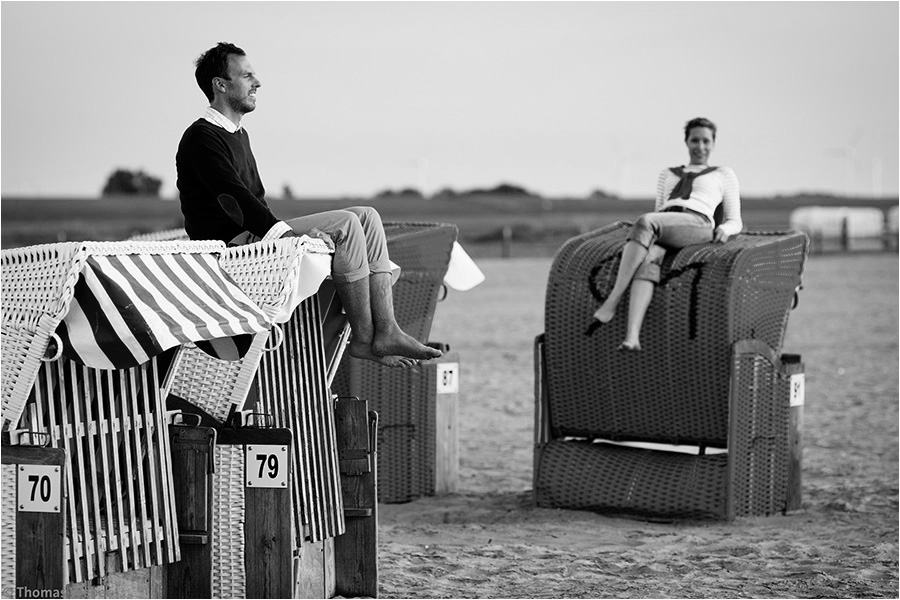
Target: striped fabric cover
128	308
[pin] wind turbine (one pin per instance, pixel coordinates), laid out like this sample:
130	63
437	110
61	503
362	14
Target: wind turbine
848	154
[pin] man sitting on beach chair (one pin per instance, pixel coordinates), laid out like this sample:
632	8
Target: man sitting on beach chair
222	197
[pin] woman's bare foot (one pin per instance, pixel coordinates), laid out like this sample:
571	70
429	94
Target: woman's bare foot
627	346
399	343
606	312
364	351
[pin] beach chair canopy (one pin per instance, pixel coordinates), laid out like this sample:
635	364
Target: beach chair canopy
113	305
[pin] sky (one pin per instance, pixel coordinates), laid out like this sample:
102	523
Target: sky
562	98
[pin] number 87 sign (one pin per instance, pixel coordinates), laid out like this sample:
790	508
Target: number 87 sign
266	466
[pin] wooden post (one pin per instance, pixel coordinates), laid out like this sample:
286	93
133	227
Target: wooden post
793	369
39	520
845	234
192	468
314	575
356	551
541	411
446	426
886	235
506	246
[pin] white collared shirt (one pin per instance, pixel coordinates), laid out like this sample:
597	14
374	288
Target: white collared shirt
217	118
220	120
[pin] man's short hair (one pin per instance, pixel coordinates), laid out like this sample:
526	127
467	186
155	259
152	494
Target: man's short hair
214	63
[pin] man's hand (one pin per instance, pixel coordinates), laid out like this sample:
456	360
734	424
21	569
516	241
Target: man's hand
720	236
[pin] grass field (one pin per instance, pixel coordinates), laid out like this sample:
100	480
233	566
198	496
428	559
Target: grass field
539	226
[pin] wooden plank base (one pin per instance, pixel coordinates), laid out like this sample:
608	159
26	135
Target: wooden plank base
356	551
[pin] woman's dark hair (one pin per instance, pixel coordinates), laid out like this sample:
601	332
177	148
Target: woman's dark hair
214	63
699	122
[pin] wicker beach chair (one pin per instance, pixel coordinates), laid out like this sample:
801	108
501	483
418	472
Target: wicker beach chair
111	422
281	381
282	384
335	328
404	398
166	235
711	380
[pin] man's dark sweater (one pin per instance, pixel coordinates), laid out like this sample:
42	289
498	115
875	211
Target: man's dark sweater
217	168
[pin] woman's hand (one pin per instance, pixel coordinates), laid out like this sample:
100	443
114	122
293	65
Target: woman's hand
720	236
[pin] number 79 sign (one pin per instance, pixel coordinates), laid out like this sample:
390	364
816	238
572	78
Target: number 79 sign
266	466
38	488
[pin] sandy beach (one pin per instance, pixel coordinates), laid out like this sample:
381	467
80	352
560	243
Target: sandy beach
490	541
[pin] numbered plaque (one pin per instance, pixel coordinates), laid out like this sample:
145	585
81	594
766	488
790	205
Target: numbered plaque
39	488
266	466
798	389
448	378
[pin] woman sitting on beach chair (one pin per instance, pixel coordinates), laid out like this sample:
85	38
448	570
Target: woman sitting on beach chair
687	199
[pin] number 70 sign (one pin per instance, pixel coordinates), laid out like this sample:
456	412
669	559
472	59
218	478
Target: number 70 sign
39	488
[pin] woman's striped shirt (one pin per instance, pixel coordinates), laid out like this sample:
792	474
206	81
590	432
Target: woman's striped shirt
708	191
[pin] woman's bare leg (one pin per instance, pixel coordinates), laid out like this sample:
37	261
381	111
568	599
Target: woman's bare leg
638	302
643	285
632	256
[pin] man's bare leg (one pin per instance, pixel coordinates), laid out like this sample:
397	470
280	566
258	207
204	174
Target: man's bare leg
355	298
388	338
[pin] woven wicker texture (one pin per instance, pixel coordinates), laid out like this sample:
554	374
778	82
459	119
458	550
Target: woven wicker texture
161	236
760	429
675	390
266	272
228	515
405	403
38	284
749	480
709	375
403	398
423	252
614	479
8	527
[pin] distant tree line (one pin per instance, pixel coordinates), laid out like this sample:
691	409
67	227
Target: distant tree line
123	182
503	189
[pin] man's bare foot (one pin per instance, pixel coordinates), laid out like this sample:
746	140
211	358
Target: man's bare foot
606	312
399	343
364	351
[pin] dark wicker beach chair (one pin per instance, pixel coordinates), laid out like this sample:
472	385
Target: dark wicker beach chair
406	413
698	424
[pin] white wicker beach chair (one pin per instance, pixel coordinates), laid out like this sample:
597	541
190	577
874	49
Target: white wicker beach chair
111	422
283	376
166	235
